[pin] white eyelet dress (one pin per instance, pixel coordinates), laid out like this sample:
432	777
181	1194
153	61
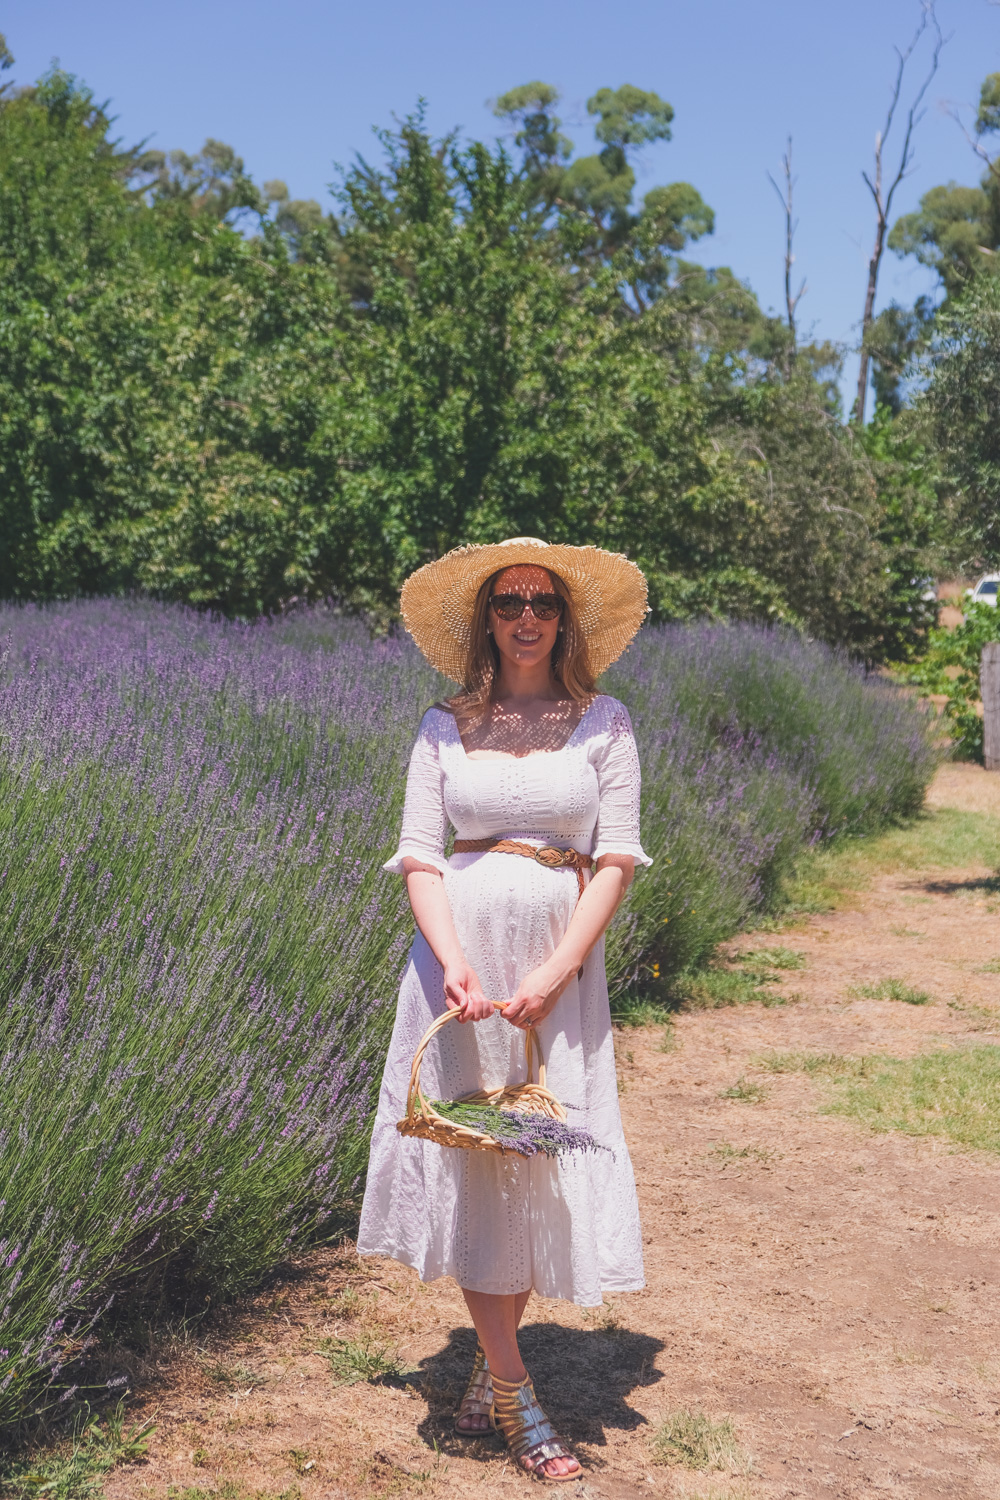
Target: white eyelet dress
568	1226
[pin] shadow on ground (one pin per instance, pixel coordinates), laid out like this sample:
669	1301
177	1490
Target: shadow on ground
989	884
582	1377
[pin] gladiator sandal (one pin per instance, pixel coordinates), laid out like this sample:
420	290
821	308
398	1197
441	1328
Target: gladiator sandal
478	1398
531	1438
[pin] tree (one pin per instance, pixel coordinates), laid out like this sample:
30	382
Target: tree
786	198
956	230
313	404
543	147
883	194
962	400
213	183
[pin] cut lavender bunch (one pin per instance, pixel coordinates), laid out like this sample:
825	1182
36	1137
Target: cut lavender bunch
517	1130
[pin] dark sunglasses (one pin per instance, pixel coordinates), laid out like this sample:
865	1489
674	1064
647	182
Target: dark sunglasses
512	606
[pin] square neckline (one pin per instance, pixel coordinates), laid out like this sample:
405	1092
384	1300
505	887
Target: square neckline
532	754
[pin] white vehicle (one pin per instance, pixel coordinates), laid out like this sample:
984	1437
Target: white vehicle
985	591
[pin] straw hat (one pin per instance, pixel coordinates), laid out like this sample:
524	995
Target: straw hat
608	591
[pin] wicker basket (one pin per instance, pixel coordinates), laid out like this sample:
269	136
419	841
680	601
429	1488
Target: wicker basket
422	1119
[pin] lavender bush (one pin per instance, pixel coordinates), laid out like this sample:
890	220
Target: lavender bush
200	953
753	743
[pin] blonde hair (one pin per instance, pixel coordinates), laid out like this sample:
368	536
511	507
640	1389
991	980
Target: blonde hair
570	659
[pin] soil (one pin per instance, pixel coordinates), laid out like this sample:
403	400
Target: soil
832	1292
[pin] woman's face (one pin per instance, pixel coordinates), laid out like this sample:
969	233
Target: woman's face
527	641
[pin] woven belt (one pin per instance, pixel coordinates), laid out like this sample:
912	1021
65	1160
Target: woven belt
548	855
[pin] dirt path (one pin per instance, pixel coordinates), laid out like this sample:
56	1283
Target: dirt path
832	1292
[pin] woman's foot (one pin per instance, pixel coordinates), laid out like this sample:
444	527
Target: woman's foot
531	1438
475	1410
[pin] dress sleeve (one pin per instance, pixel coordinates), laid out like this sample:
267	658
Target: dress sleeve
425	822
619	783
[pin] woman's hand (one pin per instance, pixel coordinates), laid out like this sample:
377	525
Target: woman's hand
536	995
464	993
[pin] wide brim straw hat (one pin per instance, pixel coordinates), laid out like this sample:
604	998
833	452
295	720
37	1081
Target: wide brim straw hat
608	593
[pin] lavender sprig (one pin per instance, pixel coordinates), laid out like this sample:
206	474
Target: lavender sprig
519	1131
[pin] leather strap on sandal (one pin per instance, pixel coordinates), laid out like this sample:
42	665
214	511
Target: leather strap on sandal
478	1398
531	1438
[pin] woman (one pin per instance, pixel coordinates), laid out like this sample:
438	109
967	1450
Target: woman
528	753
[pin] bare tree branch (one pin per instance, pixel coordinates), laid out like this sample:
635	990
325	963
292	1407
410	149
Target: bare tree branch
876	185
791	224
992	163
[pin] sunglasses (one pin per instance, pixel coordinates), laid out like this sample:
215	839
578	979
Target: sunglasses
512	606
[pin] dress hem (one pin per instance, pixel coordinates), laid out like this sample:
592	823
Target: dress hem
614	1287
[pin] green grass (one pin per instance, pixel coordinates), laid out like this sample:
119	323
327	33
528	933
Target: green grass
694	1441
76	1468
944	839
746	1090
954	1094
808	1062
891	989
746	978
633	1010
366	1358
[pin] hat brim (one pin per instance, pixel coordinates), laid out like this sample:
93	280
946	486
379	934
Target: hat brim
608	593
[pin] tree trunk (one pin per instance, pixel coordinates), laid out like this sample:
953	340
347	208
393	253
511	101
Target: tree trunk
868	319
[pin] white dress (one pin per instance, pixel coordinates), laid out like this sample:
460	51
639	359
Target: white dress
566	1226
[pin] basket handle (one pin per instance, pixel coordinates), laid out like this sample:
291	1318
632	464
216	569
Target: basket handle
532	1048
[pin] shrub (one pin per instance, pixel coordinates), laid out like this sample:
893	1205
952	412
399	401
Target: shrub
201	954
753	743
951	667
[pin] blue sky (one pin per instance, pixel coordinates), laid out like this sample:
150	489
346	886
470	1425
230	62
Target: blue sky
296	88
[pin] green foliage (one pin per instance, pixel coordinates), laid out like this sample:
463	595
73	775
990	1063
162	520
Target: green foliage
896	338
951	230
951	666
847	522
988	114
76	1468
962	402
956	230
366	1358
892	989
220	394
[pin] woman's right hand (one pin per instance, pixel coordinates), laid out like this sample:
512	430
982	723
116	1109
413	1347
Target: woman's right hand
464	993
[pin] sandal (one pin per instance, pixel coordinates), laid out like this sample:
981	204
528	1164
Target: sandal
531	1438
478	1398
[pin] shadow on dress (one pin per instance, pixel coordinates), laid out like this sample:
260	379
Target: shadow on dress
581	1377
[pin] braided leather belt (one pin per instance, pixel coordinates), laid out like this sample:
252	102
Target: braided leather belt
548	855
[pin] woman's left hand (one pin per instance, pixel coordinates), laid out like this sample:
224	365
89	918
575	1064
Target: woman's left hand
536	996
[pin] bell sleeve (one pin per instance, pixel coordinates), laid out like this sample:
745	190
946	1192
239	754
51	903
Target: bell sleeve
619	783
425	822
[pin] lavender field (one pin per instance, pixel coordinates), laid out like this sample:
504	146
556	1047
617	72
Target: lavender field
200	954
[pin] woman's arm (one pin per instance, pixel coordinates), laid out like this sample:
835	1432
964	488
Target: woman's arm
538	991
462	990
